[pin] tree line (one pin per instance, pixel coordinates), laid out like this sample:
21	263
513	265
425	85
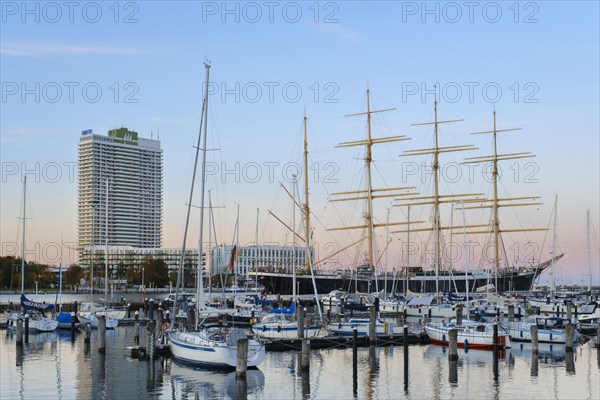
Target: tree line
154	272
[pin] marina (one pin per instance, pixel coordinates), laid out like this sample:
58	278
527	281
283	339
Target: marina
300	200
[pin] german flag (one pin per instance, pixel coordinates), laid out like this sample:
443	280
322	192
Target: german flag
233	257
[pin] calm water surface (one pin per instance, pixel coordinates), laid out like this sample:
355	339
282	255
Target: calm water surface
50	366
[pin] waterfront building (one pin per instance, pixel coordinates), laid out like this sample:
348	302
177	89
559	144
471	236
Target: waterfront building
255	258
131	167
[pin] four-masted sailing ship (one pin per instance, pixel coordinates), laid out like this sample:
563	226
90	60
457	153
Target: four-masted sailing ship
420	278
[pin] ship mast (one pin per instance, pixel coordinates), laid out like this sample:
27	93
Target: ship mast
496	201
369	192
436	199
553	265
589	251
23	238
305	207
368	160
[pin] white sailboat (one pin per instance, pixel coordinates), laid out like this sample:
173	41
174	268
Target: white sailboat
215	346
470	334
35	312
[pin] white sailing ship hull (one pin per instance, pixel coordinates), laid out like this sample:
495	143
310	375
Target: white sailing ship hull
92	319
467	337
192	348
35	326
362	328
522	333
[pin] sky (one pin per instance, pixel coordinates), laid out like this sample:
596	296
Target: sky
69	67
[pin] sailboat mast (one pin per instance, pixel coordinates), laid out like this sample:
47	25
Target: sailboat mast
256	250
368	160
436	200
553	269
210	223
387	243
60	274
236	244
294	236
495	210
189	208
23	239
199	280
106	248
306	208
466	251
589	252
92	257
406	268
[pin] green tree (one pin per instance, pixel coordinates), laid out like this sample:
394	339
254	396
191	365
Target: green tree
73	275
156	272
6	270
133	275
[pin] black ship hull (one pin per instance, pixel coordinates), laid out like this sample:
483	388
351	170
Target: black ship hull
281	283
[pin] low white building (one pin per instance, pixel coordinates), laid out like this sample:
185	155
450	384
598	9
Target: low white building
133	256
252	258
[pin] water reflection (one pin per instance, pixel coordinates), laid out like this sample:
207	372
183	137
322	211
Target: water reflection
305	384
570	362
453	372
50	366
209	384
534	367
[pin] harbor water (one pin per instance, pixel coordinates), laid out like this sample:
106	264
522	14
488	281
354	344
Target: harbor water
51	366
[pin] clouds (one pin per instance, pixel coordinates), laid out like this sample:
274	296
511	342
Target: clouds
28	49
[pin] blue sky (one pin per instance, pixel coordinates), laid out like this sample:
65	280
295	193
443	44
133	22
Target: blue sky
146	58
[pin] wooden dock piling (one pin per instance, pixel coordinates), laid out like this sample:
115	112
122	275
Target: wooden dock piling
534	340
495	339
19	338
569	337
88	333
73	317
300	319
151	328
453	345
136	328
151	309
26	328
511	312
242	358
372	322
305	364
459	314
102	334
